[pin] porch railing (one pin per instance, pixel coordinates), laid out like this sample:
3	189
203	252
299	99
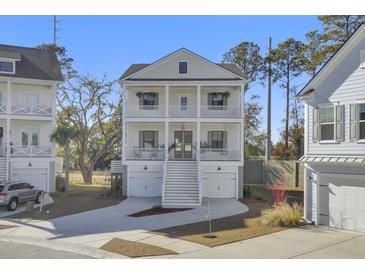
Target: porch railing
31	109
145	154
220	111
145	111
177	111
222	154
31	151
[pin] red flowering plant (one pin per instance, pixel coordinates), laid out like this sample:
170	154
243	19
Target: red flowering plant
279	190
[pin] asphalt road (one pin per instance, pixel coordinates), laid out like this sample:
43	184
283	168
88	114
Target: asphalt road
11	250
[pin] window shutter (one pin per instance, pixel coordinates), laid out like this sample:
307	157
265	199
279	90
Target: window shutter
156	99
353	122
339	123
315	125
210	99
141	139
210	139
155	139
141	100
225	99
224	139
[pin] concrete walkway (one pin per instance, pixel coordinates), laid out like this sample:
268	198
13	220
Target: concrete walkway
96	227
297	243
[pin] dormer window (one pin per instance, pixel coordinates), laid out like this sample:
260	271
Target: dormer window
7	67
183	67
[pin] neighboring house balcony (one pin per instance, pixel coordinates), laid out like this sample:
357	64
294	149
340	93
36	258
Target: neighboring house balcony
185	141
25	138
27	109
183	102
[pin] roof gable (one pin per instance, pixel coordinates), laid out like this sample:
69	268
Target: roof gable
336	58
32	63
167	68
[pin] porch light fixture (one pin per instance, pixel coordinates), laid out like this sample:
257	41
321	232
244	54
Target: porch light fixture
219	167
30	164
145	167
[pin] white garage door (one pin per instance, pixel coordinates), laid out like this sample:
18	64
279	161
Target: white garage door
346	203
219	185
145	184
33	176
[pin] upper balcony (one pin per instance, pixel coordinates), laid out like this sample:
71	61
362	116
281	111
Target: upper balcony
184	102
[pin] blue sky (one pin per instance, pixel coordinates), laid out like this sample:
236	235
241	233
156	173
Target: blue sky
109	44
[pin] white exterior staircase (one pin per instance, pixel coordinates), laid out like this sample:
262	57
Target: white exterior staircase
181	184
3	168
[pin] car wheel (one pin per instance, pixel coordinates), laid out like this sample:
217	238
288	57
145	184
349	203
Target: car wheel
38	197
13	204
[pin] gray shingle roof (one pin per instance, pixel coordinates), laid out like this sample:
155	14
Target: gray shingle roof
136	67
35	63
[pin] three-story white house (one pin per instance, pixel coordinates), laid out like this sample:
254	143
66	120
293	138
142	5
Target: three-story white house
28	78
183	129
334	157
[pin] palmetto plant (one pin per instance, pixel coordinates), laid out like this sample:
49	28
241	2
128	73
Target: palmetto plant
63	135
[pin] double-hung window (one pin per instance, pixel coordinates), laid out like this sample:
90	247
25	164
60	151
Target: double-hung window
217	101
362	121
217	140
327	123
148	139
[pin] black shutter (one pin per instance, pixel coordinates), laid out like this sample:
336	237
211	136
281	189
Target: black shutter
155	139
141	145
224	139
210	139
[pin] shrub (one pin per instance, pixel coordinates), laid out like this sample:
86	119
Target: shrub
60	183
283	215
279	190
156	206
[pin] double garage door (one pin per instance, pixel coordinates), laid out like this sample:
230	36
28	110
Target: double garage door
145	184
33	176
219	185
341	202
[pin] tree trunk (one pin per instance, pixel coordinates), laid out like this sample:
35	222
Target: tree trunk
287	116
67	166
87	174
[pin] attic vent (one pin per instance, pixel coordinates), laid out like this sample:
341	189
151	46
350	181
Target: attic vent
362	58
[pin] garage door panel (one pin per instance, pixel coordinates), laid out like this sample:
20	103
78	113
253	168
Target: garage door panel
145	184
219	185
33	176
347	203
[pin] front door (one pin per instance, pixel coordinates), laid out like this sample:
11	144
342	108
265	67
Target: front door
183	144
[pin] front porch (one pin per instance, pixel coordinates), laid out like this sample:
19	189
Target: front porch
185	141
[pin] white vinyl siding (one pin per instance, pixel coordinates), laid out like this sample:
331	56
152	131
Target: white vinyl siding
348	145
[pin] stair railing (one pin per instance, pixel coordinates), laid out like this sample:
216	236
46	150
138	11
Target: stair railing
199	177
164	181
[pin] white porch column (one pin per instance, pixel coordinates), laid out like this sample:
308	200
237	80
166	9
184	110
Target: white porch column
8	125
54	109
198	100
242	94
124	122
167	103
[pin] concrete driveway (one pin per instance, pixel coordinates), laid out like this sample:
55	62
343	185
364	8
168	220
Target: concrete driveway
297	243
113	221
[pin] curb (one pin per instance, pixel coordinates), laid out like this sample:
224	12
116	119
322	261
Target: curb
63	246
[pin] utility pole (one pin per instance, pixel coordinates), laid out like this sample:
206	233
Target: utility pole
55	30
268	118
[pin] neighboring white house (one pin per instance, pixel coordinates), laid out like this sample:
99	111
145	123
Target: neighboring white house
335	139
182	129
28	78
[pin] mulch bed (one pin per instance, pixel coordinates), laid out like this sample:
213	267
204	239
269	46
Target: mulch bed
135	249
157	211
7	226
